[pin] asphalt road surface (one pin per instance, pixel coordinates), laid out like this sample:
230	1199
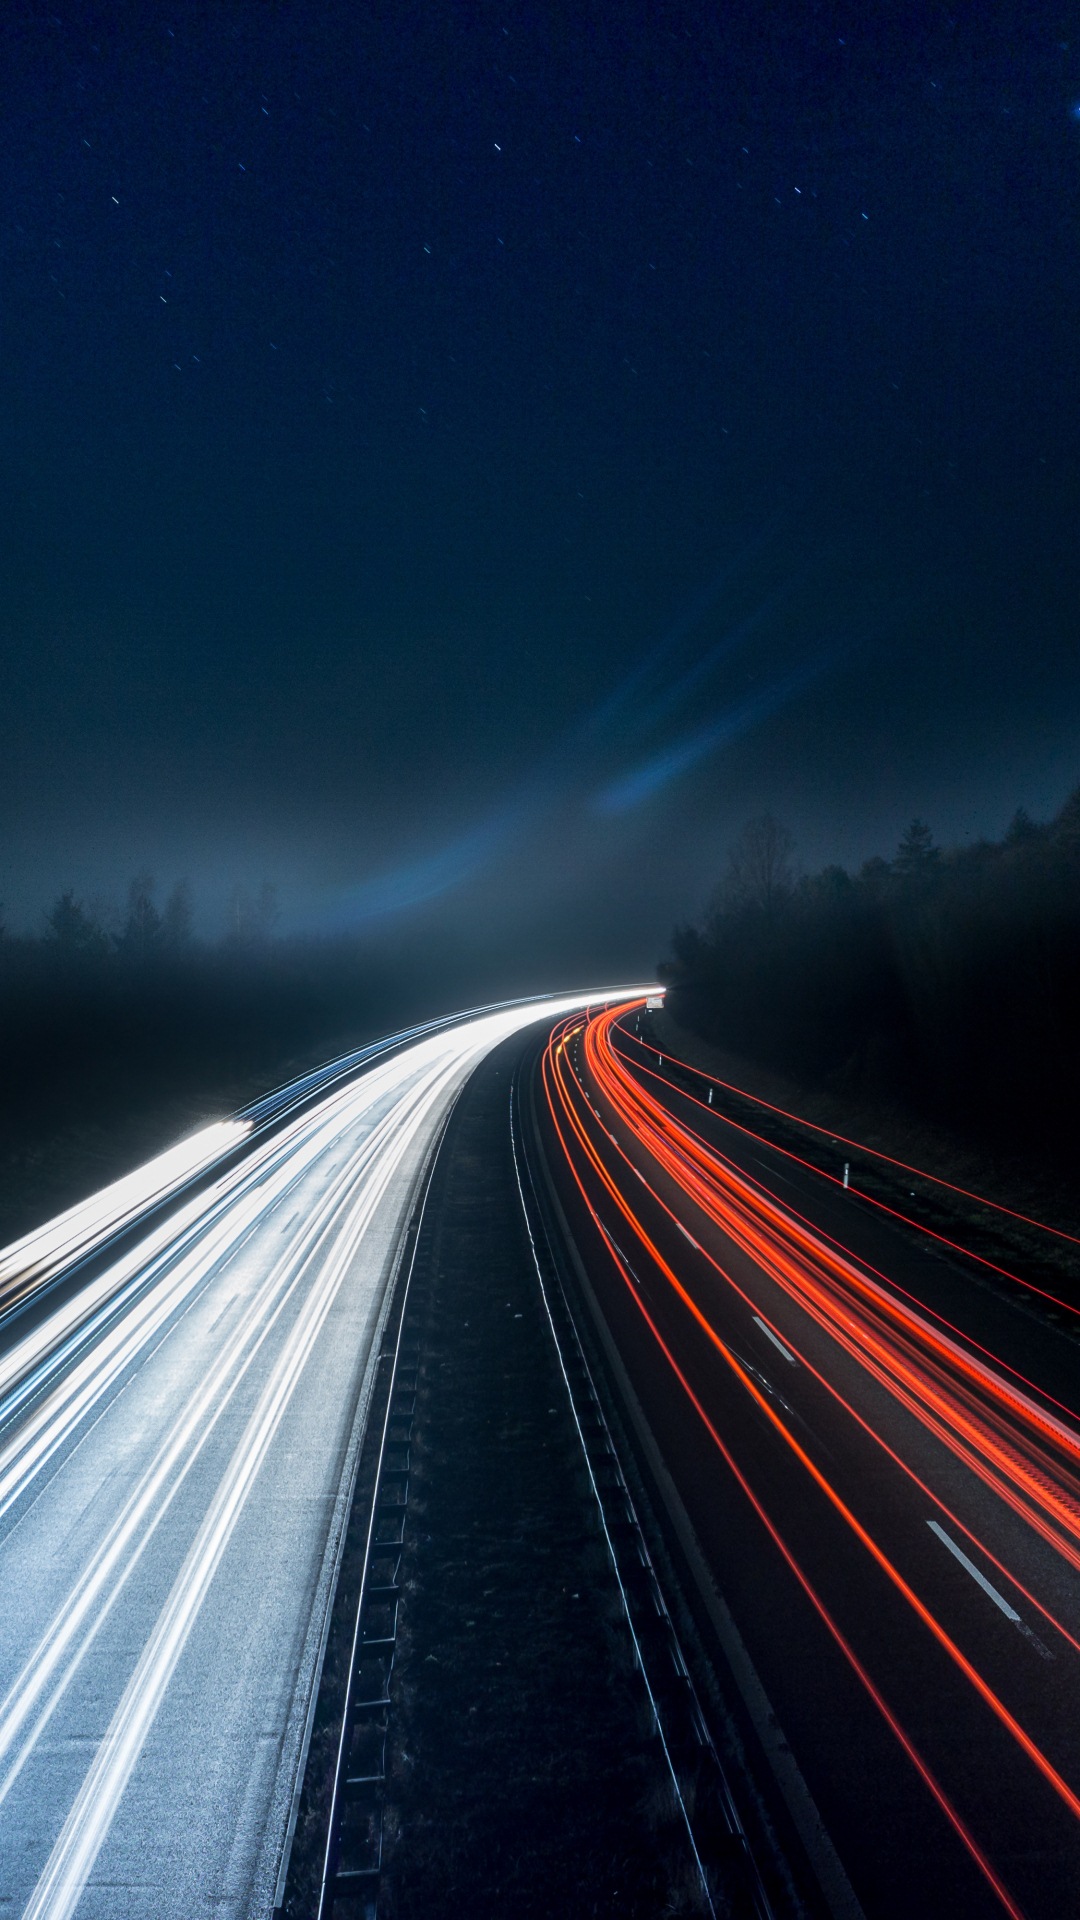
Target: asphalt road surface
879	1456
182	1376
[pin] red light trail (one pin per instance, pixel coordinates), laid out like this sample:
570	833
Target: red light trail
875	1153
993	1424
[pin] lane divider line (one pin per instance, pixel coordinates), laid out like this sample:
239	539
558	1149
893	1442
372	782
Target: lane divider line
612	1556
777	1342
980	1578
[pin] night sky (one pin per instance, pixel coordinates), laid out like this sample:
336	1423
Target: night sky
459	462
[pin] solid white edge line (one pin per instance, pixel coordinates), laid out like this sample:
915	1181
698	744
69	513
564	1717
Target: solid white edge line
970	1567
825	1862
777	1342
641	1667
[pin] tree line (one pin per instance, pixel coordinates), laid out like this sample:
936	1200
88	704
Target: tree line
119	1031
945	980
74	935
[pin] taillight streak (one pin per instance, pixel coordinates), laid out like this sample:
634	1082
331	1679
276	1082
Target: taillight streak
858	1146
773	1238
559	1097
724	1160
926	1774
962	1453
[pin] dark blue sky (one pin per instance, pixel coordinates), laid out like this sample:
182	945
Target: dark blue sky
460	461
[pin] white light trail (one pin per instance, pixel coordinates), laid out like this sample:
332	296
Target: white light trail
72	1234
371	1134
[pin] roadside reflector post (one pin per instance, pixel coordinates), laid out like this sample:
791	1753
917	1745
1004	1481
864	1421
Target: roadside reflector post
847	1170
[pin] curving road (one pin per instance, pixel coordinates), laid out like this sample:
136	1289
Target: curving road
880	1461
183	1374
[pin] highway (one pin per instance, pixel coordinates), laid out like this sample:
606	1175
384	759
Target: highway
879	1458
184	1362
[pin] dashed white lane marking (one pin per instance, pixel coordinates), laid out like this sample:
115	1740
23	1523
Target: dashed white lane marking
980	1578
687	1236
777	1342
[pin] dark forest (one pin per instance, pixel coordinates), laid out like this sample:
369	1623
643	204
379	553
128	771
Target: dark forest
943	981
115	1038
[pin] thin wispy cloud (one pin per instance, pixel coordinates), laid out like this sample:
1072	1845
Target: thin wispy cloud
660	683
651	776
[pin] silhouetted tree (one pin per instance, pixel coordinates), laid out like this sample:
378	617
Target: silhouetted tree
73	932
252	921
177	919
948	979
760	876
1023	829
916	856
1065	827
140	938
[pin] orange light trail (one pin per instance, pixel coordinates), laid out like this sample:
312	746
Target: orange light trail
871	1200
1025	1454
831	1179
818	1604
860	1146
951	1813
1006	1441
1034	1519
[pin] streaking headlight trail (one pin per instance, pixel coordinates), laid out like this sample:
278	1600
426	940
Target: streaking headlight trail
174	1433
83	1227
